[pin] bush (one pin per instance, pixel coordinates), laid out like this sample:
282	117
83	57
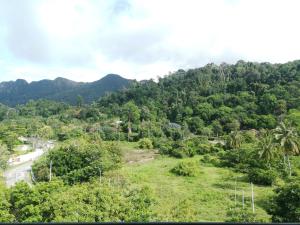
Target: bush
203	149
186	168
184	211
180	149
238	214
145	143
165	147
261	176
210	160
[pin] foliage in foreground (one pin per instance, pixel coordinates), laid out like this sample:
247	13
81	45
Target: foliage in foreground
89	202
285	206
78	161
240	214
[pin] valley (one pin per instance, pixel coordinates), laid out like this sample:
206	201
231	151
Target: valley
218	143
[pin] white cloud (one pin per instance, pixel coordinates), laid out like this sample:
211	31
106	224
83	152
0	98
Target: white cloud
86	39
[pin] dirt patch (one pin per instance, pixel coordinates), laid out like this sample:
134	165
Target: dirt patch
140	156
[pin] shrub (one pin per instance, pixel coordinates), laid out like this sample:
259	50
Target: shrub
184	211
261	176
211	160
237	214
203	149
145	143
186	168
164	145
158	142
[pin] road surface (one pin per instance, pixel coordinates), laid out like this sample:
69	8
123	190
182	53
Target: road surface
21	169
17	173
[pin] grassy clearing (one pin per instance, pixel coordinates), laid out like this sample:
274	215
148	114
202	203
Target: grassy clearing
210	193
133	154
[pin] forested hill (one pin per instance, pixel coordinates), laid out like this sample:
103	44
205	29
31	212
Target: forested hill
60	89
216	99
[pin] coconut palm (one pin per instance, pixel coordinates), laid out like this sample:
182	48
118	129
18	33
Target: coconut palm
287	138
268	149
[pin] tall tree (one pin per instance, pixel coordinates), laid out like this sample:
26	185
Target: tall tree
287	138
234	140
131	114
268	149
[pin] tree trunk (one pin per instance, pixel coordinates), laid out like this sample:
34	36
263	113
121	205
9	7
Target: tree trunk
129	129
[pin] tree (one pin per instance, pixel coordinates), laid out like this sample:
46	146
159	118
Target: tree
205	111
79	101
145	114
78	161
233	125
285	205
10	139
46	132
5	215
268	103
131	114
266	121
25	203
280	107
287	138
196	124
268	150
217	128
234	140
4	156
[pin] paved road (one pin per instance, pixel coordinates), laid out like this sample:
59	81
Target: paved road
21	170
17	173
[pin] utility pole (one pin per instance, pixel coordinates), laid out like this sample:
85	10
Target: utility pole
252	198
118	133
243	199
50	176
32	175
100	178
235	193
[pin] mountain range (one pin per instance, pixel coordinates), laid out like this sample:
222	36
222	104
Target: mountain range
20	91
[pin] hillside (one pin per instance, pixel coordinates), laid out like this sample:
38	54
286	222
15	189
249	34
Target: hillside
245	95
60	89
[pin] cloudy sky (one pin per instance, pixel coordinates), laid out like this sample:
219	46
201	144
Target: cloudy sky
85	39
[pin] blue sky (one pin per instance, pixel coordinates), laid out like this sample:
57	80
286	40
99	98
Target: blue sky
84	40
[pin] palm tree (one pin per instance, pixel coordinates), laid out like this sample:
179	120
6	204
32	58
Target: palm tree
287	137
268	150
234	140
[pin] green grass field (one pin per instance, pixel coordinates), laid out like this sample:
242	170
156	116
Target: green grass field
209	194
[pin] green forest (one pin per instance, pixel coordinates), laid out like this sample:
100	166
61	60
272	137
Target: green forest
216	143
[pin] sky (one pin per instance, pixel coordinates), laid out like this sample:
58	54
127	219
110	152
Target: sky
84	40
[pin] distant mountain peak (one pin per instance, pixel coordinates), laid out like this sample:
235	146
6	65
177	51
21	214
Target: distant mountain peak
112	76
60	78
21	81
